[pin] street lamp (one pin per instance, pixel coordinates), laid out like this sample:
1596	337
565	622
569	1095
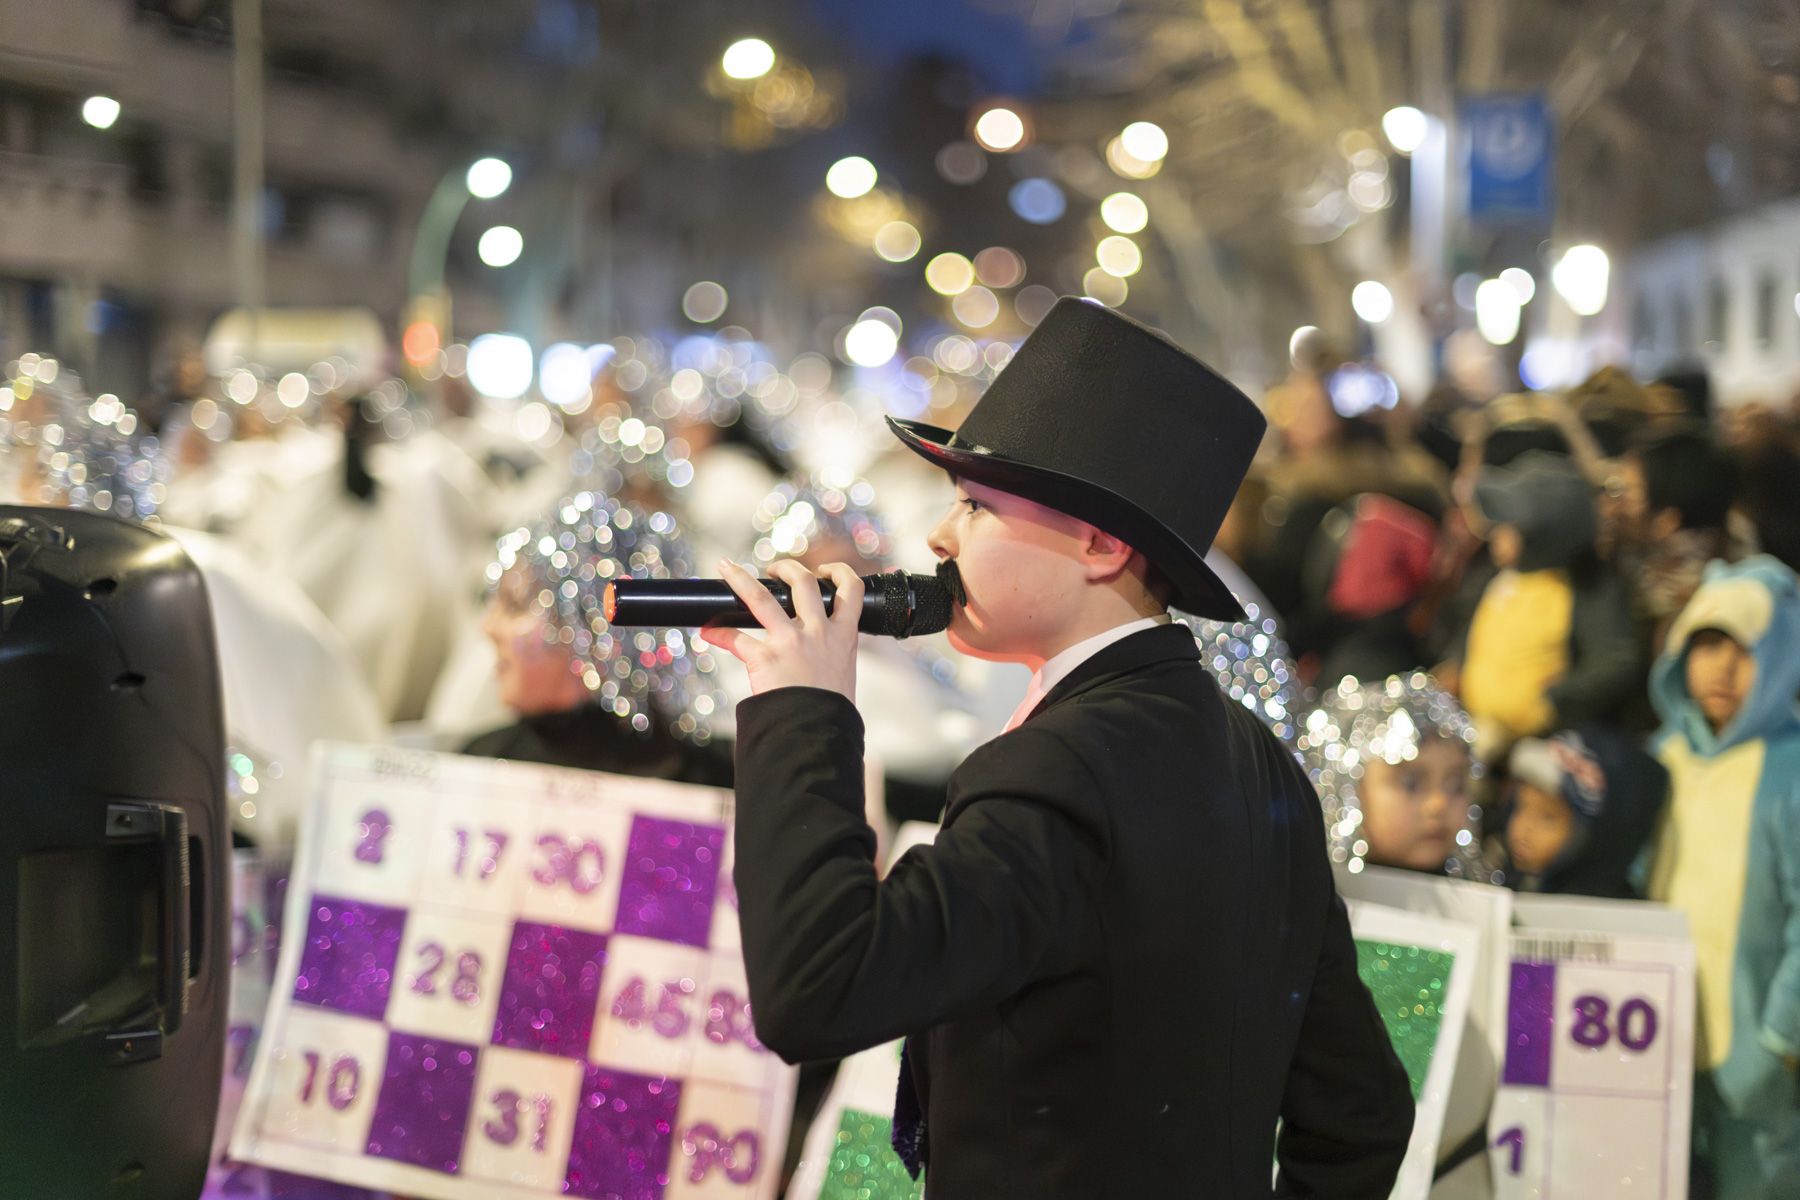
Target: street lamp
1406	128
1372	301
1580	277
488	177
750	58
484	179
100	111
500	246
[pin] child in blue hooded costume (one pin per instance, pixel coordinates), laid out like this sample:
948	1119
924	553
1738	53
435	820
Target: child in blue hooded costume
1729	857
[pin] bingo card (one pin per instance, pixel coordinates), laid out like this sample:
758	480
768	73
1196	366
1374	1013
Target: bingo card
1421	972
1597	1088
500	980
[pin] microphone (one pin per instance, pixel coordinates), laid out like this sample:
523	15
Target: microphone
894	604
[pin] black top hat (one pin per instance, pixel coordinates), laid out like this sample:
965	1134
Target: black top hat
1105	420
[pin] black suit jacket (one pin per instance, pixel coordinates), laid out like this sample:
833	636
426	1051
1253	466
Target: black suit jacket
1122	960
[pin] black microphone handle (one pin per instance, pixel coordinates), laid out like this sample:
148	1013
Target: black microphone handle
691	603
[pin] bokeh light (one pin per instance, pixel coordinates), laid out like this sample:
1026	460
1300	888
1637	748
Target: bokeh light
1521	282
1038	201
999	267
1119	255
500	365
501	246
1405	128
1105	288
1124	213
488	177
870	342
1033	303
977	307
1144	141
897	241
704	302
950	274
961	162
1497	311
100	111
851	177
749	58
1580	277
1372	301
1000	129
1128	165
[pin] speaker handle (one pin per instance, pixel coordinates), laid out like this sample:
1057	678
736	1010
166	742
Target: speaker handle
166	825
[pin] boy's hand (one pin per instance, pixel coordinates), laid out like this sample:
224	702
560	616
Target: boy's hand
808	649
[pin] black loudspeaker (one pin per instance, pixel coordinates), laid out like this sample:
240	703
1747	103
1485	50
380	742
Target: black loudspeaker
114	861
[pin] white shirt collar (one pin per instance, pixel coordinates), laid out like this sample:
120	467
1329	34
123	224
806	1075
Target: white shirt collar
1058	668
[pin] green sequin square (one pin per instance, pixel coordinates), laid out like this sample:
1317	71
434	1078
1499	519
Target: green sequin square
1408	983
863	1163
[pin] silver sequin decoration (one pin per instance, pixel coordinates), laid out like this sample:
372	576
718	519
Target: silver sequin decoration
74	451
1355	723
1251	662
588	541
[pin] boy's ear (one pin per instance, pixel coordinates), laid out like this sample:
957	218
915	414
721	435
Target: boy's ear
1105	555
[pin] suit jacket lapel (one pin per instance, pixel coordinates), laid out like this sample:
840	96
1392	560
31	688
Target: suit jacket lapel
1165	643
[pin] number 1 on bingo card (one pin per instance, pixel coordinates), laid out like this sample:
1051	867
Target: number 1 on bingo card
488	863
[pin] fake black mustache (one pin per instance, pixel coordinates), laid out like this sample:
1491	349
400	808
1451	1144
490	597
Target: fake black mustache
951	578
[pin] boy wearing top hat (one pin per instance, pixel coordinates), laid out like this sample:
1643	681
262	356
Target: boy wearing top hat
1123	960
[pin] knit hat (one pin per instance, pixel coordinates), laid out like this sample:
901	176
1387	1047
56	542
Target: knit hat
1547	500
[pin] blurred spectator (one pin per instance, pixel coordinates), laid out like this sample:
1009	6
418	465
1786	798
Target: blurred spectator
1677	487
1393	766
1768	454
1302	491
587	695
1615	408
1373	558
1729	858
1693	387
1580	808
1550	643
559	721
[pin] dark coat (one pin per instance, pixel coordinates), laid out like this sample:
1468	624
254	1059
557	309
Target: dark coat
593	739
1120	962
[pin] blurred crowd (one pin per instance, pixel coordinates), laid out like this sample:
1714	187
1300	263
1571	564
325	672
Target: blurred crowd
1548	640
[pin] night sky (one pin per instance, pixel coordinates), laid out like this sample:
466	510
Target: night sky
996	45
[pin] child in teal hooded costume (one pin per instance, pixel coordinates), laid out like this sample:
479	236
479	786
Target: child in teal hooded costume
1725	687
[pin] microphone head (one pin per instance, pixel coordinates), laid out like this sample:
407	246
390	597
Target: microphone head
914	604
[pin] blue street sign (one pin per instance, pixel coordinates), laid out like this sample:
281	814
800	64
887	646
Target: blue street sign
1511	146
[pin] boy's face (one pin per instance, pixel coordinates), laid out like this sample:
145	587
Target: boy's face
534	676
1019	567
1720	674
1412	811
1540	826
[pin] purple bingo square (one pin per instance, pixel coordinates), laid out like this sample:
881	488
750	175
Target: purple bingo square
624	1135
424	1102
1530	1024
348	961
670	877
551	989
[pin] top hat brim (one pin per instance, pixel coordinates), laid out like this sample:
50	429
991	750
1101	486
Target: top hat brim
1198	590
